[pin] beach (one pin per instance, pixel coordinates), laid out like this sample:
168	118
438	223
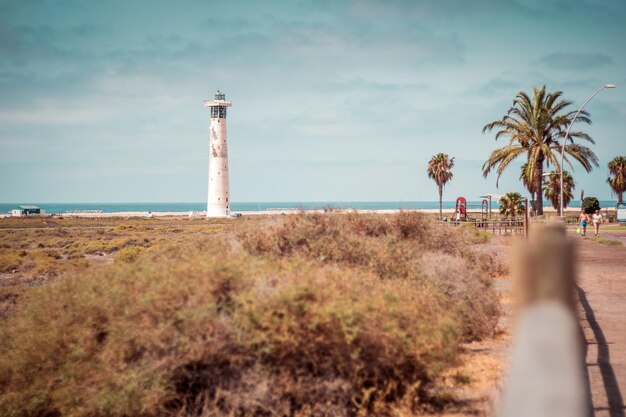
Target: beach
447	212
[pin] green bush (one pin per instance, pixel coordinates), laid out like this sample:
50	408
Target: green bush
590	205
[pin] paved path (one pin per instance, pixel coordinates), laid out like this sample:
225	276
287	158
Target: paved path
602	294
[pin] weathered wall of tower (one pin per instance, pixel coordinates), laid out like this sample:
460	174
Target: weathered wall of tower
219	198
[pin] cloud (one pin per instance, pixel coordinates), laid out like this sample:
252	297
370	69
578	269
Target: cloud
494	87
436	8
462	9
576	61
339	89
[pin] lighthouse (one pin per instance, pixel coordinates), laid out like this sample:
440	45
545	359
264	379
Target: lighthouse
218	204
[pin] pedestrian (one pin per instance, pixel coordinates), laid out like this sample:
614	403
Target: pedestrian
583	219
597	219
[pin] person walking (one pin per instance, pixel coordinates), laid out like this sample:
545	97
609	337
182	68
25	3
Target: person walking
583	220
597	219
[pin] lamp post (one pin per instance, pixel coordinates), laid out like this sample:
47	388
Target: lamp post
546	175
567	135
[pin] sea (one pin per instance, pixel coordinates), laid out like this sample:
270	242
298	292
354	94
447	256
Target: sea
60	208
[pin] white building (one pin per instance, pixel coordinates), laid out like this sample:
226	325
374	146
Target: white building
27	210
218	204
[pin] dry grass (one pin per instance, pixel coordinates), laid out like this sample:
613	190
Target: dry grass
605	241
224	331
334	315
402	246
10	262
129	254
49	247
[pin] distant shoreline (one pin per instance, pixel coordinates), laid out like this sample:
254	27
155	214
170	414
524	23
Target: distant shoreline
252	207
270	212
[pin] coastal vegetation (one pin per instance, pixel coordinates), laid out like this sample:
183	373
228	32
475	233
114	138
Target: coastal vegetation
607	242
529	180
617	176
511	204
590	205
440	170
312	314
534	125
552	189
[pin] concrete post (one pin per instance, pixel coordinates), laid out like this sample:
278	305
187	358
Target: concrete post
546	375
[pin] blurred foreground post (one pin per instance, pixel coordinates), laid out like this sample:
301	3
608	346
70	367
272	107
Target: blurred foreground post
546	374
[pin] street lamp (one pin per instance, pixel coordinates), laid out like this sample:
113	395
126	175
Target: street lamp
567	135
546	175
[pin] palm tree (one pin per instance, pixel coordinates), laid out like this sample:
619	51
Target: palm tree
439	170
530	182
552	189
617	176
534	127
511	204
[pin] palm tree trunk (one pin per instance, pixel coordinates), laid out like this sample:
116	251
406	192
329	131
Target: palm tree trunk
440	198
619	197
539	182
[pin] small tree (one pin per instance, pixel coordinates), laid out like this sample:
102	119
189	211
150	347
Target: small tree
511	204
617	176
552	189
590	205
439	170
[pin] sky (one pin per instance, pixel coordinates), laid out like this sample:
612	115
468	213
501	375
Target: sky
332	100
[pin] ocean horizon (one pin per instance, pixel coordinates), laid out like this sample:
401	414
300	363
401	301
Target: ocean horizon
60	208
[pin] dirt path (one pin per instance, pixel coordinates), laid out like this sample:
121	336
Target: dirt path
602	294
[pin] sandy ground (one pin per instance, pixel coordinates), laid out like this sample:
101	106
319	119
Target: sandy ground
199	214
602	294
126	214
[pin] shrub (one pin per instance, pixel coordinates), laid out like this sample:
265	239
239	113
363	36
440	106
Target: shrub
45	266
90	247
472	234
393	247
9	262
476	306
314	234
202	328
339	314
590	205
128	254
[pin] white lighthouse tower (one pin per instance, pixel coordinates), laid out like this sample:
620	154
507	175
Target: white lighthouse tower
218	204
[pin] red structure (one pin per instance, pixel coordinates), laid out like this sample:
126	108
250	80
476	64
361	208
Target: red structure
461	209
